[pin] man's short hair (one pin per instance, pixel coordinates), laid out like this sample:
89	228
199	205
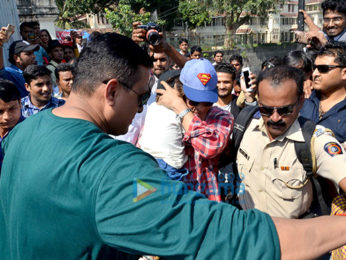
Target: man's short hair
279	74
25	24
337	50
183	40
108	56
238	58
334	5
32	72
54	44
8	91
295	58
217	53
196	48
225	68
171	77
34	23
272	62
62	68
67	47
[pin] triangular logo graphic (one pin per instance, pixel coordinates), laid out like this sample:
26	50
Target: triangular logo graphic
204	78
141	190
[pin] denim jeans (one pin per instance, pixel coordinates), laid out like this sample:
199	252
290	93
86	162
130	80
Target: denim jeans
173	173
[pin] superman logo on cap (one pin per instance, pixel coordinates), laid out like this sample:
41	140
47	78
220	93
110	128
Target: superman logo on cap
333	148
204	78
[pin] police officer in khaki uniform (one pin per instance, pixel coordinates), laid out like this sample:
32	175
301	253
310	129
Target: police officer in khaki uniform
272	178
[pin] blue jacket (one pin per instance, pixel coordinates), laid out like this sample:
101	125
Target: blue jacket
15	75
334	119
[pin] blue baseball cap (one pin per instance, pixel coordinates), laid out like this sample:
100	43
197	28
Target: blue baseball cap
199	80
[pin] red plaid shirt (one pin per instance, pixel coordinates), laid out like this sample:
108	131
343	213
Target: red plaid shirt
204	142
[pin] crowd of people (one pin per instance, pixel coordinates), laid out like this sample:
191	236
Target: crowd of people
230	163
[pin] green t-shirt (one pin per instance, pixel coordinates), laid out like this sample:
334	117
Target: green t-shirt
69	191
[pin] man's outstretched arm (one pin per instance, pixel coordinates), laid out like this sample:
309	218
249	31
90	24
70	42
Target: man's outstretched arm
310	238
138	35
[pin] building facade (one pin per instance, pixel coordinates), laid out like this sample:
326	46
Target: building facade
43	11
278	27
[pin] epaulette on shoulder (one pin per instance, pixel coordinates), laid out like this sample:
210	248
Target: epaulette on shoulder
320	130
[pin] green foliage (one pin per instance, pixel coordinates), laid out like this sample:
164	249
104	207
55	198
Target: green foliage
195	13
69	10
236	12
205	55
123	16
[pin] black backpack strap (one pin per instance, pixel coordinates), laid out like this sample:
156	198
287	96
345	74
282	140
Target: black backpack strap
240	124
303	149
319	205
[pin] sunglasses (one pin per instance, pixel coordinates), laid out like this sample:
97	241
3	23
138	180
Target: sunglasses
142	99
282	111
325	68
194	103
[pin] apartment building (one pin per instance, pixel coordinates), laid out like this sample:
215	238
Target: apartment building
278	27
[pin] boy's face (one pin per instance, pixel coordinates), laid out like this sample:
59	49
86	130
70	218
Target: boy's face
196	55
24	59
65	81
57	54
9	113
40	89
69	54
79	40
333	23
200	109
26	31
184	46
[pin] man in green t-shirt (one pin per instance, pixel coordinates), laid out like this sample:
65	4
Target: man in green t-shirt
69	191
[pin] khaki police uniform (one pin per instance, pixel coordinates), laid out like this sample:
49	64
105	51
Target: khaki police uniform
272	178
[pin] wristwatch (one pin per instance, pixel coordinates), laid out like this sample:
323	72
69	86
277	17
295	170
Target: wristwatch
182	114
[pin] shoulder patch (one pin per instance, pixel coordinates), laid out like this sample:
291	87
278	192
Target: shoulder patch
333	148
319	130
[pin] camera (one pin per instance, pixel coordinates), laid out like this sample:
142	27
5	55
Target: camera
152	33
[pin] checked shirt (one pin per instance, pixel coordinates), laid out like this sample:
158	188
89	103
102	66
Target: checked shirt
204	142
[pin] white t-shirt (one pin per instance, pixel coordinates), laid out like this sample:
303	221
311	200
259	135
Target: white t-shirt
136	126
227	107
162	136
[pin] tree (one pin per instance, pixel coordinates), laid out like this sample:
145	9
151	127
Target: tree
122	17
195	13
70	10
236	12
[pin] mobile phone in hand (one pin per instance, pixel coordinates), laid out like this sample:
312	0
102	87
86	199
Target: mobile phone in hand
245	72
301	37
9	31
